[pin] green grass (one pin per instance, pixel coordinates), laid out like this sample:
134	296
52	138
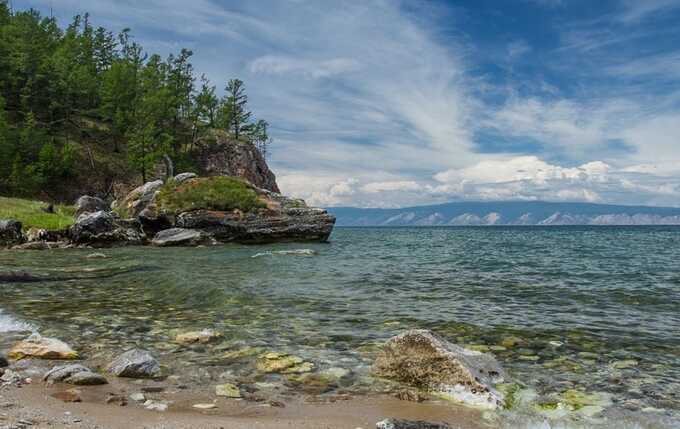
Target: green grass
208	193
30	215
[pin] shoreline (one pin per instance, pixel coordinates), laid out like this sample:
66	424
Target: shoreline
33	403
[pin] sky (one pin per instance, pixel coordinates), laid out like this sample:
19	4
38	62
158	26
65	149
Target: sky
393	103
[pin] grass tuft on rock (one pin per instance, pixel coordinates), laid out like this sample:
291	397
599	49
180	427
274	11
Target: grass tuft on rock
31	214
208	193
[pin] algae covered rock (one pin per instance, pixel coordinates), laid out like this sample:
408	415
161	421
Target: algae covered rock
37	346
228	390
204	336
135	363
283	363
422	359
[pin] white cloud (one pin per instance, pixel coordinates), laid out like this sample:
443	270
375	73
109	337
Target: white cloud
635	11
518	48
273	64
394	186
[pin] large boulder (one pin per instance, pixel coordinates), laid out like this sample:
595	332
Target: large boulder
37	346
104	228
181	237
10	232
135	363
88	204
224	156
139	199
422	359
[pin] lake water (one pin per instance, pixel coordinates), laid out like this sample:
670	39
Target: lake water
594	309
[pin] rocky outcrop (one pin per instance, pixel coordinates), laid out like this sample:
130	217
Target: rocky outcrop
104	228
10	232
40	347
88	204
282	219
422	359
223	156
292	225
135	363
181	237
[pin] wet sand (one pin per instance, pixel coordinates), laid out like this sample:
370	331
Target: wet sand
33	403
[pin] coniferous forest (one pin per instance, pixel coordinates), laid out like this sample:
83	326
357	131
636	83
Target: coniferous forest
81	100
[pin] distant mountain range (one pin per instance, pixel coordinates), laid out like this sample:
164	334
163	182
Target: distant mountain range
508	213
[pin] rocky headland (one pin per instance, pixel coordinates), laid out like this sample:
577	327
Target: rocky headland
238	202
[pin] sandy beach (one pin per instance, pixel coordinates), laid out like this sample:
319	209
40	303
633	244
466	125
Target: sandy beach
33	406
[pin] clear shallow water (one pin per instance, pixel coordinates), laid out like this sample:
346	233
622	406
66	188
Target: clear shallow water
601	295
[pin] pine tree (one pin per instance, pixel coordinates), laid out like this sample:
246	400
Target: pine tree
237	102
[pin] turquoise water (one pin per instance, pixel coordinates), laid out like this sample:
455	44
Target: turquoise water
595	309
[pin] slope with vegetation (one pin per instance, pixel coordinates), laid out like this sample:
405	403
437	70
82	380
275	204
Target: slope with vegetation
83	110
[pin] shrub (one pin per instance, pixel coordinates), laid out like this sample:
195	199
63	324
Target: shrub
209	193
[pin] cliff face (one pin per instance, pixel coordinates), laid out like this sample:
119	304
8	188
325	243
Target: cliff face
220	155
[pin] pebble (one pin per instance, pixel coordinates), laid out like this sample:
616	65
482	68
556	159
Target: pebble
138	397
155	406
205	406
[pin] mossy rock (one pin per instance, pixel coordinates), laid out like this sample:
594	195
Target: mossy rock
220	193
282	363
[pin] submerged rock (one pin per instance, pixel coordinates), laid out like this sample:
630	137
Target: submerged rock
181	237
228	390
70	395
409	424
204	406
155	406
283	363
10	232
40	347
135	363
424	360
204	336
3	362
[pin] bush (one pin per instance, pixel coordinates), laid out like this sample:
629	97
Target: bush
209	193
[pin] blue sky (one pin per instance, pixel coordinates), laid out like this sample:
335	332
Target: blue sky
388	103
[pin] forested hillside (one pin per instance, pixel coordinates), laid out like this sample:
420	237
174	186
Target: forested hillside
82	108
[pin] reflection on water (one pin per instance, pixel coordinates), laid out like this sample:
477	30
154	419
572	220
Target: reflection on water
593	309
